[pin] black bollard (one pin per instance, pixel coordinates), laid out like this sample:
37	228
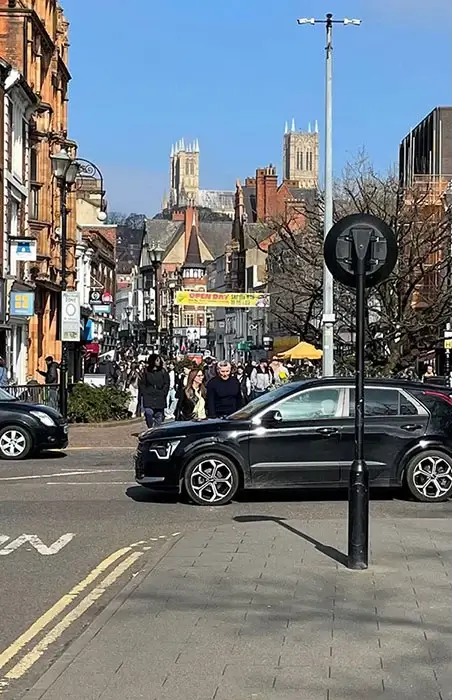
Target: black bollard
358	495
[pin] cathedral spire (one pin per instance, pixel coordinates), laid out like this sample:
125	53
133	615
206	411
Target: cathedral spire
293	125
172	151
309	128
316	126
182	145
196	146
286	128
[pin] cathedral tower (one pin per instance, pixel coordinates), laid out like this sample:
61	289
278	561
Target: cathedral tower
184	174
301	156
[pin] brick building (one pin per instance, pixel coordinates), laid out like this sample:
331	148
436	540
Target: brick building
34	39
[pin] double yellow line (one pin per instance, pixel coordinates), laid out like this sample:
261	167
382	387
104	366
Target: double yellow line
34	654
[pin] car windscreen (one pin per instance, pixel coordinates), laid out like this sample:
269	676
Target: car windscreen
6	396
264	401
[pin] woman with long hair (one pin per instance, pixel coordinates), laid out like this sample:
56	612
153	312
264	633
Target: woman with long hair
192	400
154	387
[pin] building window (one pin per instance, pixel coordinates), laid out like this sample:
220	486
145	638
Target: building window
192	168
33	202
189	319
187	168
299	160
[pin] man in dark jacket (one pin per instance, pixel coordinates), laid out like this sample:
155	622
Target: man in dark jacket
154	387
51	373
224	395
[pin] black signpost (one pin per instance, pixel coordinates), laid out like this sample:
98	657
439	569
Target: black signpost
360	251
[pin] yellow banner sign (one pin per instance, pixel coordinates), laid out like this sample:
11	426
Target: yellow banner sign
233	299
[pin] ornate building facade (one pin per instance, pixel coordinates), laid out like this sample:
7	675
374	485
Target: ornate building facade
34	39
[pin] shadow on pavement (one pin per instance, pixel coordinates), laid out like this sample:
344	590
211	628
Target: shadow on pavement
143	495
325	549
50	454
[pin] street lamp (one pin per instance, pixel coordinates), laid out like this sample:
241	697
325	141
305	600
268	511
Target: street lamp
156	257
65	170
328	317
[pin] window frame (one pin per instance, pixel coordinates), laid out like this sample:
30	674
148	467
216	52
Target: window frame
421	410
339	409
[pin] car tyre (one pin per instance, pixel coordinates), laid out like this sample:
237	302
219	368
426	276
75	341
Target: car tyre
429	476
211	480
15	443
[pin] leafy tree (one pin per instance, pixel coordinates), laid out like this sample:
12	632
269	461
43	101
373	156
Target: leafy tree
407	312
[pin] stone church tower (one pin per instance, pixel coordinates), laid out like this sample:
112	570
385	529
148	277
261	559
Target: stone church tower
301	156
184	174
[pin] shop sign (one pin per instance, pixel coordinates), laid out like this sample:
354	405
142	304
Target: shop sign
225	300
22	304
23	249
70	317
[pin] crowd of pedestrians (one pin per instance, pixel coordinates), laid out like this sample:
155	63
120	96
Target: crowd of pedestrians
214	390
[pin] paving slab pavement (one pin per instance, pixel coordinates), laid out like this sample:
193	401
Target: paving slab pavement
105	437
264	609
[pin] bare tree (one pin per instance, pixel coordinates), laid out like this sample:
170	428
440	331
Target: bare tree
407	312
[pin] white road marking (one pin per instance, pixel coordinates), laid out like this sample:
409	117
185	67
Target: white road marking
38	544
3	539
58	474
89	483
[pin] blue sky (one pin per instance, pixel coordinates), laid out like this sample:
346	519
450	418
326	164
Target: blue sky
147	72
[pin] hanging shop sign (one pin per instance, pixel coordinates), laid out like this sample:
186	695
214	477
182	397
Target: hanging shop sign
107	298
95	297
23	249
233	299
70	317
22	304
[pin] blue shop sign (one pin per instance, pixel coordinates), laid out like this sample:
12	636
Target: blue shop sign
22	304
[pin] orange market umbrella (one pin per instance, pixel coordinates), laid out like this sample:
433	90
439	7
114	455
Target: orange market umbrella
302	351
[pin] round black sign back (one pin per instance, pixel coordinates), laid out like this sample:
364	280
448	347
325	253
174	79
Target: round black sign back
338	249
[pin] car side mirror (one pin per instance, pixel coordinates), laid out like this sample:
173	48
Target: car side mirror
271	418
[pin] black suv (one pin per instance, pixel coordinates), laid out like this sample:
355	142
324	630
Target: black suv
302	436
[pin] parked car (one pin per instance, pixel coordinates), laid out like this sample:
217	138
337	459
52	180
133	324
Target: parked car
302	436
27	428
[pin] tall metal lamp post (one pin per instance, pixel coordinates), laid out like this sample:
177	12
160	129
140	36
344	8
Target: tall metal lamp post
65	170
156	257
328	318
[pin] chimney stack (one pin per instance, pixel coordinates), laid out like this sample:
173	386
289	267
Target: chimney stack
266	193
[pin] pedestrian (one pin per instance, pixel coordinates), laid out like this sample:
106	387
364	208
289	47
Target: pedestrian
280	373
172	400
109	369
261	379
131	385
51	379
245	383
154	387
224	395
3	373
51	373
192	401
210	369
428	374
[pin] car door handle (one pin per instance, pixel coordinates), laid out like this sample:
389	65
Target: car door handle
327	431
411	427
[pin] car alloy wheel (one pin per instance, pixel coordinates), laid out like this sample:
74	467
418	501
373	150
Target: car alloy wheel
430	477
15	443
212	480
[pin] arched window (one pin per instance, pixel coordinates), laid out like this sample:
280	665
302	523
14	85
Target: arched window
192	168
299	160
